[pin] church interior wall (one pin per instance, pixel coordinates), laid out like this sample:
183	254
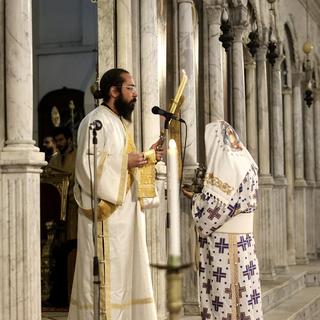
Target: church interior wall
65	45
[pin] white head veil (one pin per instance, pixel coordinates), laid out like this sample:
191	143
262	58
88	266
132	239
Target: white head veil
228	160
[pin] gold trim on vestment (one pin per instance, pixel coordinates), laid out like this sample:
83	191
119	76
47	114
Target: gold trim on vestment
104	210
233	256
104	268
114	305
211	179
100	165
124	179
130	147
81	305
132	302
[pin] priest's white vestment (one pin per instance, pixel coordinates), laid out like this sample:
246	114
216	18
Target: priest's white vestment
126	289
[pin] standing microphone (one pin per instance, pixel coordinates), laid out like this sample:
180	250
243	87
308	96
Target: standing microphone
166	114
95	125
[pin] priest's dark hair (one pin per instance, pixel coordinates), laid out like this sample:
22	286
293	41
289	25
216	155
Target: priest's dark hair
112	77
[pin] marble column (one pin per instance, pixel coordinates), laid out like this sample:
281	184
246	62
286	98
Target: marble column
106	36
239	15
317	164
20	163
2	80
215	58
124	35
187	54
309	156
263	217
300	184
289	172
186	57
316	120
251	103
277	120
298	127
127	54
279	221
149	96
263	112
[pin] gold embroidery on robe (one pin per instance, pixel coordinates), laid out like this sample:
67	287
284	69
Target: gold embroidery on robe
211	179
146	176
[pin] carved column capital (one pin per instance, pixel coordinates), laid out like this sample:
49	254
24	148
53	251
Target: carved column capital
261	52
185	1
249	62
237	3
214	3
287	91
264	36
239	16
278	62
214	14
238	33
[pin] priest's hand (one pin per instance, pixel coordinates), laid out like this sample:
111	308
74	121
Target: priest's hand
136	159
158	148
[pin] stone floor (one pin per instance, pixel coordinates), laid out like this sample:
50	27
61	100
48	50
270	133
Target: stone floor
297	292
63	316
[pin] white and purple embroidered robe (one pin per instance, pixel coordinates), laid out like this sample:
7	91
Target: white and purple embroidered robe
229	283
215	269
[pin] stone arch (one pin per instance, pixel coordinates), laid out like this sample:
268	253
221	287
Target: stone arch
289	62
290	32
256	12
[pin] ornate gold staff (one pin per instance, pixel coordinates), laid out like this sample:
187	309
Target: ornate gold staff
172	129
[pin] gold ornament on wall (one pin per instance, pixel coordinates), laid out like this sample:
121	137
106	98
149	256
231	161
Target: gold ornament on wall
307	47
55	116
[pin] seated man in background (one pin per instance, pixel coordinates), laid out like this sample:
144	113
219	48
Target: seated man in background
64	161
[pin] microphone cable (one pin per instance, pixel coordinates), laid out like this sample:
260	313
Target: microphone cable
183	152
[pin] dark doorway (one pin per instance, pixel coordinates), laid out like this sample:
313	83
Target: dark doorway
60	108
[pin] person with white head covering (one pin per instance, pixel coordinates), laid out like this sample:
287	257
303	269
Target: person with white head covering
223	215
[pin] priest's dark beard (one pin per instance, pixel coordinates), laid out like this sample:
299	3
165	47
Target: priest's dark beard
124	108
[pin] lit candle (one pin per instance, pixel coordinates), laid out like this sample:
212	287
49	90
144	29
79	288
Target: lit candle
173	203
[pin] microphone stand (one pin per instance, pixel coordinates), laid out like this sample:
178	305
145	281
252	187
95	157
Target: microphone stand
96	273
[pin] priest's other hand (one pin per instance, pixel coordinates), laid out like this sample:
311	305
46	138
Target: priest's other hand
136	159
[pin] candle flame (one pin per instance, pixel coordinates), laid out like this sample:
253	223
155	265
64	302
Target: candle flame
172	144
